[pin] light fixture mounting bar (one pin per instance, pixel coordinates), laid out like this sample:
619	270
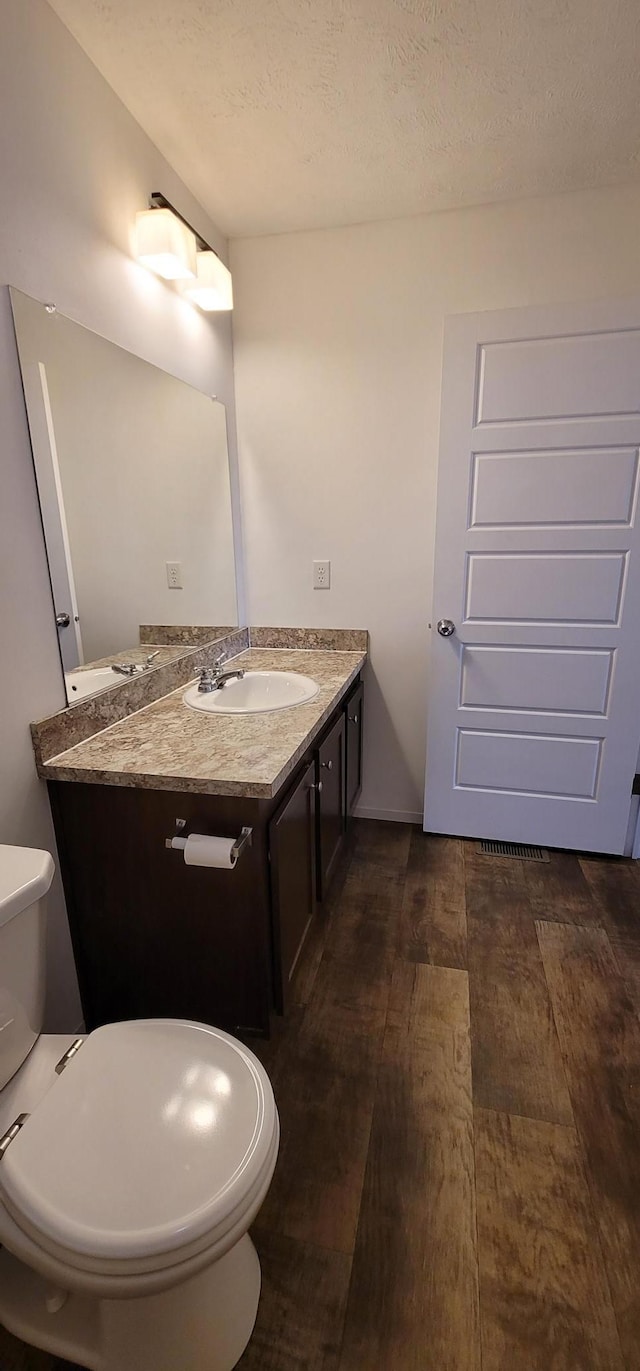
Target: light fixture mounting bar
159	201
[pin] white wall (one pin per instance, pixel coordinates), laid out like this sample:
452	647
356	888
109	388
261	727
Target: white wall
338	338
74	168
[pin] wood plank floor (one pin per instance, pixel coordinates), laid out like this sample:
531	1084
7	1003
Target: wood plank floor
458	1187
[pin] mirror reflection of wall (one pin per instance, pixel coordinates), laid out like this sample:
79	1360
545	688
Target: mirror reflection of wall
133	480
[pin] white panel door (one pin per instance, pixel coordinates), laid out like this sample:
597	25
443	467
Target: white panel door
534	702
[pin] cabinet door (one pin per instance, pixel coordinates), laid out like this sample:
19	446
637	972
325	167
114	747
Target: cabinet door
292	847
331	801
153	937
354	728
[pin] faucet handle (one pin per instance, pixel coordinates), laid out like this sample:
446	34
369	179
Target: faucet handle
207	679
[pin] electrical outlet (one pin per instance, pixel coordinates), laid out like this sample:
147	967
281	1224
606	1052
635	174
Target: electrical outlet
174	575
321	575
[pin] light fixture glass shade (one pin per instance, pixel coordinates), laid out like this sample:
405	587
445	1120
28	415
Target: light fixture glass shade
213	287
165	244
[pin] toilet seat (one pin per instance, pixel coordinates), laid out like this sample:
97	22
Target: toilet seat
157	1143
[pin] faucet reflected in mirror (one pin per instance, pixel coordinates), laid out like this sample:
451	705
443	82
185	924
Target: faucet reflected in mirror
131	668
133	481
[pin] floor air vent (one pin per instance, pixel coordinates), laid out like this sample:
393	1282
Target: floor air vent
489	847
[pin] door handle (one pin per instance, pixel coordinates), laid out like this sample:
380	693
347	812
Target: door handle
445	627
63	620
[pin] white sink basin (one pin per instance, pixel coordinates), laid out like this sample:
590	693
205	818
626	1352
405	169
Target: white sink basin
82	683
259	692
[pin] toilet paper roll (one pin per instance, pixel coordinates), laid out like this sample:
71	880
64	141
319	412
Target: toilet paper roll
200	850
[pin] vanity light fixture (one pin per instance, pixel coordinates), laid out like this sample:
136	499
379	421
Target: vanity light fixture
212	289
170	246
165	244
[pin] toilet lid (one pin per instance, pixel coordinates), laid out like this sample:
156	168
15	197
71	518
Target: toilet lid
149	1139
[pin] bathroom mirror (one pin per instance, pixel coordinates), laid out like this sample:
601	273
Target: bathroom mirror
133	481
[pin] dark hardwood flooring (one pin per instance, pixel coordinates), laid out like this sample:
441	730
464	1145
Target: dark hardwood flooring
458	1187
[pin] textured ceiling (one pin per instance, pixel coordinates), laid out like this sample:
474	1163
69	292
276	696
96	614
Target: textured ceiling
290	114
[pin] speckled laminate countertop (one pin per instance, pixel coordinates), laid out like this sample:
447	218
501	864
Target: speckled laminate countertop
167	746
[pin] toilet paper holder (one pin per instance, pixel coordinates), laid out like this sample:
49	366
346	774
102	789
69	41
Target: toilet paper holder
243	840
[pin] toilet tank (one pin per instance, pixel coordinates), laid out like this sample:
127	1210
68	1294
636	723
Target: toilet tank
25	876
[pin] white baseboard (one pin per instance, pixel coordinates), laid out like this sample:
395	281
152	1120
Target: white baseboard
398	816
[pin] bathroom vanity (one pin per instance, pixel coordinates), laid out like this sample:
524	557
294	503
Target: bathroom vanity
129	765
155	937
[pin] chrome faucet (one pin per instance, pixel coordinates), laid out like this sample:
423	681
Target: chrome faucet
214	678
209	675
225	676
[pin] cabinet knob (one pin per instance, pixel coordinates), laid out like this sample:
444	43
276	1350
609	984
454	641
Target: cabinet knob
327	765
353	718
316	785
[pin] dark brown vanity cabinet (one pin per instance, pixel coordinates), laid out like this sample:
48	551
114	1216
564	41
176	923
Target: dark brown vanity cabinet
154	937
331	792
292	852
354	728
306	836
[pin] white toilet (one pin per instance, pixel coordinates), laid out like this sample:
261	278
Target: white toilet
131	1166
